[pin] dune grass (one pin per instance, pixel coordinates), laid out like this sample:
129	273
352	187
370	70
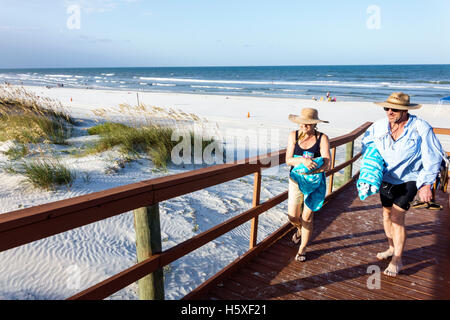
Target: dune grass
130	139
153	140
17	151
46	174
28	118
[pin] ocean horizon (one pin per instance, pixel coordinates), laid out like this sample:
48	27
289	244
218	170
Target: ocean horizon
424	83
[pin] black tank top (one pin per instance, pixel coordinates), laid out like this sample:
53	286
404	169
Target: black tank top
313	152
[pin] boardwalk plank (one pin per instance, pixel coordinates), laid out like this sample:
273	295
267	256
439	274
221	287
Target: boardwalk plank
347	235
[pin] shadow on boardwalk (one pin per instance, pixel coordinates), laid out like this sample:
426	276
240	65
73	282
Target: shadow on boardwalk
341	258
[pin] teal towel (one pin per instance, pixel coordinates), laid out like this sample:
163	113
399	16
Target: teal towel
371	173
313	186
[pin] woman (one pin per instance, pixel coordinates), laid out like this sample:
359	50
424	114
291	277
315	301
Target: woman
306	144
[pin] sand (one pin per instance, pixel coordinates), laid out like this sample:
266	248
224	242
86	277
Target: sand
60	266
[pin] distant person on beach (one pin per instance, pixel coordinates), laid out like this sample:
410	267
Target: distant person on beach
412	157
304	146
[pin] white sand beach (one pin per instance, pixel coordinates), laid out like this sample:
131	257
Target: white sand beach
46	269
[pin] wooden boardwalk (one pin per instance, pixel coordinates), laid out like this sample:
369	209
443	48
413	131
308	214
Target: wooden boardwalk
347	235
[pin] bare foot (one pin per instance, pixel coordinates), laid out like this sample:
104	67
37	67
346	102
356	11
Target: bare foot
394	267
385	254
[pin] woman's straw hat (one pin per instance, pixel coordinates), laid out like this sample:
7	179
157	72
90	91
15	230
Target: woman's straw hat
400	101
307	116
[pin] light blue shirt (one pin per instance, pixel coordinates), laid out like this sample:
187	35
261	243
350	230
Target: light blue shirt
415	156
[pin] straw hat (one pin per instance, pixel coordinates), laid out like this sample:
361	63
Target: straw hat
307	116
400	101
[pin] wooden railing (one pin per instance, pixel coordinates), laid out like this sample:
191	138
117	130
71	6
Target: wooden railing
444	131
27	225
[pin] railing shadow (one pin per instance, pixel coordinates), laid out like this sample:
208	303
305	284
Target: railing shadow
297	284
442	275
415	227
415	259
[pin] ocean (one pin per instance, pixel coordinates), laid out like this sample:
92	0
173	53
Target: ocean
424	83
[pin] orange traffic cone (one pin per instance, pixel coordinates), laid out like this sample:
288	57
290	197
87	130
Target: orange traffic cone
248	114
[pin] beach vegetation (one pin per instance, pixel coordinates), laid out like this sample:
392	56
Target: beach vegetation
30	122
45	173
28	118
106	128
17	151
153	140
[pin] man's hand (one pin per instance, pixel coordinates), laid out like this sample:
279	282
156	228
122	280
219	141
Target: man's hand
425	193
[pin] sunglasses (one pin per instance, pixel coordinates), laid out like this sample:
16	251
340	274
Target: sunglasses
393	110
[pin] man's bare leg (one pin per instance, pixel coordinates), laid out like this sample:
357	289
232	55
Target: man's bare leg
399	239
387	224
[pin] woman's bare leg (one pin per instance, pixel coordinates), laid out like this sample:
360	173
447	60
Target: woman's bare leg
307	228
295	206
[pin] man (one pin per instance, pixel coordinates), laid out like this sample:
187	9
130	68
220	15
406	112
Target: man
412	155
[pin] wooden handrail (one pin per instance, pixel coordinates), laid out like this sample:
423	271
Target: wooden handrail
200	290
445	131
52	218
336	142
157	261
255	202
332	164
49	219
441	131
343	165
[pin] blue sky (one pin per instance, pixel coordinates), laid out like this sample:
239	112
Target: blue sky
121	33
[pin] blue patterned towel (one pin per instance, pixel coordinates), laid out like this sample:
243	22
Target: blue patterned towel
313	186
371	173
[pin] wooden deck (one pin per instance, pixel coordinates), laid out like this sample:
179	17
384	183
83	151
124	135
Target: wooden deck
348	233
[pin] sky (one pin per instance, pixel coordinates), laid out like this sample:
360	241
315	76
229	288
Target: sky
139	33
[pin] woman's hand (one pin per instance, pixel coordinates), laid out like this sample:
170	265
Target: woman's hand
309	163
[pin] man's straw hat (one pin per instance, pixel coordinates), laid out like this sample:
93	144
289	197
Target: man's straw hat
307	116
400	101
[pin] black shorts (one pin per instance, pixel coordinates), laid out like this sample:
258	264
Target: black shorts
400	194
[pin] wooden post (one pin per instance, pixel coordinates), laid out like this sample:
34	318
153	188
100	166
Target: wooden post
333	161
349	156
256	198
148	242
